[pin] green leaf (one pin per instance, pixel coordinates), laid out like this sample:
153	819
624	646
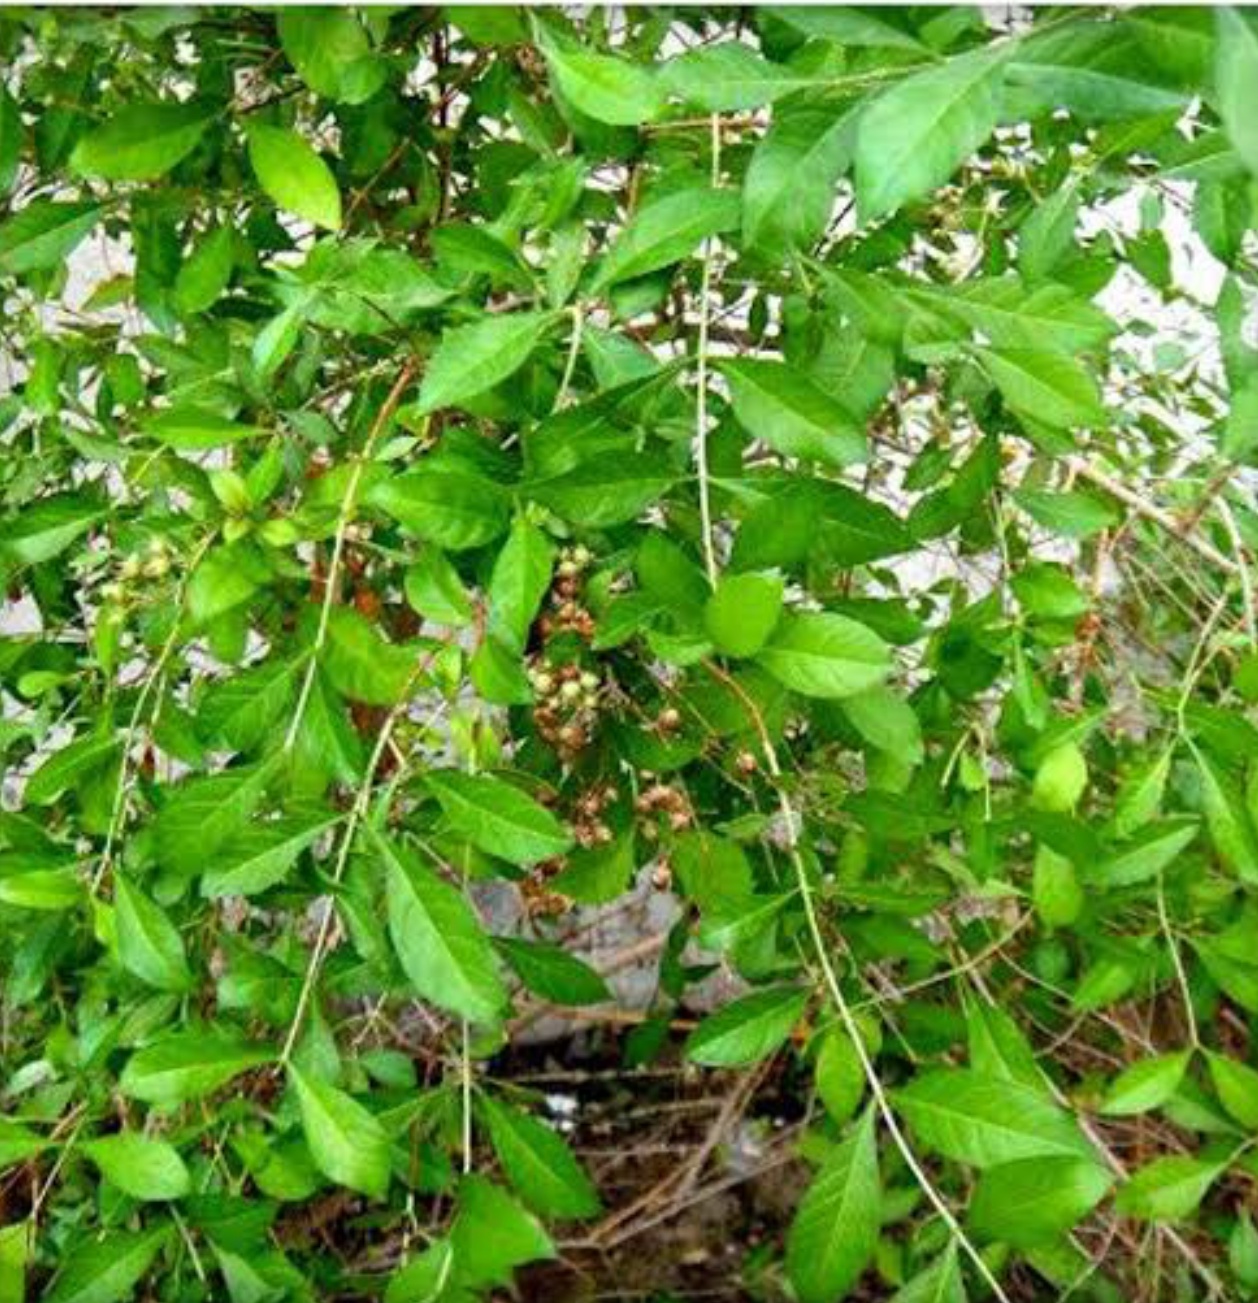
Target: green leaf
552	973
348	1144
1073	514
886	721
598	495
12	138
140	1166
142	142
475	358
361	665
262	855
666	230
539	1164
1231	828
497	817
915	135
18	1143
492	1235
939	1283
44	234
46	528
1060	780
519	581
435	591
782	406
149	944
1156	848
193	429
1236	1085
604	88
835	1232
742	612
1146	1084
108	1269
1055	889
788	194
294	176
748	1029
1047	236
729	78
73	764
1036	1200
1167	1189
188	1065
1236	80
203	814
441	945
985	1121
38	882
819	654
330	51
1047	387
451	509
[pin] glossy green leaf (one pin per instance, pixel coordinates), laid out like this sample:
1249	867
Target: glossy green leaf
747	1030
825	655
539	1164
142	142
497	817
348	1143
294	175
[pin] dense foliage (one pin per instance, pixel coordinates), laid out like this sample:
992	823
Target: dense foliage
790	459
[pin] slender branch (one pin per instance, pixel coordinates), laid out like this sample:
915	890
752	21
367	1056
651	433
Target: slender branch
349	504
835	988
701	377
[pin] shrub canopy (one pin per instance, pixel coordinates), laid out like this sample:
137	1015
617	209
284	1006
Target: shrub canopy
792	459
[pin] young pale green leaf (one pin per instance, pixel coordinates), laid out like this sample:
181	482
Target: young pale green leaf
839	1076
742	612
450	509
107	1270
539	1164
1055	889
294	175
441	945
520	578
497	817
44	234
348	1144
149	944
782	406
194	429
140	1166
985	1121
1236	80
142	142
552	973
1167	1189
606	88
1060	779
835	1232
666	230
1035	1201
1146	1084
188	1065
820	654
915	135
747	1030
475	358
